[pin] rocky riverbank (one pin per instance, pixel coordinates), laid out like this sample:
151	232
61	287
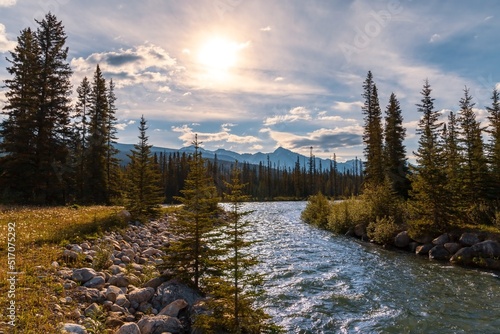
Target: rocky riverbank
467	249
120	289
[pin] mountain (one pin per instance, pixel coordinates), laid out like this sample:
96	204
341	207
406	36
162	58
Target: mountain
281	157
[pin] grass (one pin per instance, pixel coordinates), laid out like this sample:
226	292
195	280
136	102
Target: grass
40	236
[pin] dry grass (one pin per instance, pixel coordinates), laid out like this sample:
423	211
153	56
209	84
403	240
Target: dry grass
40	234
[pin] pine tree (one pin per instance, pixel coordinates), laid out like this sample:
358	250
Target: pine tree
429	195
373	133
143	194
494	145
471	144
112	163
453	163
394	149
18	129
190	256
96	191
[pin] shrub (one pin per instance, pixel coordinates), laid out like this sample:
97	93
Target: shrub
346	214
383	230
316	211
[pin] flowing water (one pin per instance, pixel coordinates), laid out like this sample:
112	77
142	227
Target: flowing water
317	282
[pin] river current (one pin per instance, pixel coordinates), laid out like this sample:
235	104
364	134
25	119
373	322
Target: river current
318	282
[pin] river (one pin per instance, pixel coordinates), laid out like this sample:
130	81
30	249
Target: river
318	282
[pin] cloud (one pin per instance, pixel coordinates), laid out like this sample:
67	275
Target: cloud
322	116
7	3
279	79
487	18
435	38
347	106
268	28
295	114
223	136
164	89
5	44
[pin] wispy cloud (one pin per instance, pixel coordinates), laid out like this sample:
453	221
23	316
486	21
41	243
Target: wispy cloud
7	3
187	135
294	115
5	44
268	28
435	38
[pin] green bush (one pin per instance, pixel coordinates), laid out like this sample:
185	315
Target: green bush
347	214
383	230
316	211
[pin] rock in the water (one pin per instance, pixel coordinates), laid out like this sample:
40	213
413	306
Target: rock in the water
160	324
452	247
141	295
439	252
129	328
174	308
424	249
402	240
83	275
73	329
97	282
463	256
442	239
469	239
488	248
423	239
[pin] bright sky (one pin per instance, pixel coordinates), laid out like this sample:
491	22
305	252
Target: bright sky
254	75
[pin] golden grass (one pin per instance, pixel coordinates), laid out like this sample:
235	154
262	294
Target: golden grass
40	233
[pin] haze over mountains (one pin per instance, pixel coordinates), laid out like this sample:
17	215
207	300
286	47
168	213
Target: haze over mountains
281	157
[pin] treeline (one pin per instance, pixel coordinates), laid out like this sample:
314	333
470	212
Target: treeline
455	182
265	181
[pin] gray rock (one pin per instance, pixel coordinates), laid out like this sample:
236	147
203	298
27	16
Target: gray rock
73	329
119	280
112	293
423	239
154	282
92	310
469	239
124	215
171	291
129	328
115	270
174	308
141	295
83	275
488	248
402	239
97	282
118	309
360	230
125	259
90	295
442	239
463	256
121	300
145	307
452	247
424	249
150	252
69	255
69	284
160	324
76	249
412	246
439	252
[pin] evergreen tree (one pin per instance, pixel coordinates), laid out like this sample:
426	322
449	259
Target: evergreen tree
471	144
453	163
373	133
191	256
18	128
494	145
112	163
97	141
429	194
394	149
81	120
143	193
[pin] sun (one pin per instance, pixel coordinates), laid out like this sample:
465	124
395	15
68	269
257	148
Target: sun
218	54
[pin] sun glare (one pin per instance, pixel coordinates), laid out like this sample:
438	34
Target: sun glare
218	55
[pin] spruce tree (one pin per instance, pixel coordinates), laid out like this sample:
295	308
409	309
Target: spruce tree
18	128
112	163
143	193
471	144
394	149
190	257
373	133
494	144
453	163
429	194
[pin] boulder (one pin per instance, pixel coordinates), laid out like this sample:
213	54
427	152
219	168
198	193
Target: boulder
413	246
452	247
442	239
174	308
171	291
97	282
160	324
92	310
119	280
155	282
360	230
141	295
121	300
83	275
488	248
112	293
424	249
124	215
463	256
469	239
129	328
439	252
402	239
423	239
69	255
90	295
73	329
